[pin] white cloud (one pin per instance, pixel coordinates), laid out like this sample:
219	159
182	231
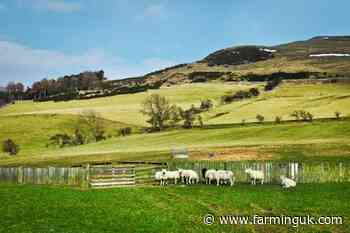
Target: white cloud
25	64
53	5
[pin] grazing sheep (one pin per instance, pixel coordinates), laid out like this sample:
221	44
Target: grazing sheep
189	176
255	175
287	183
160	177
225	176
209	176
171	175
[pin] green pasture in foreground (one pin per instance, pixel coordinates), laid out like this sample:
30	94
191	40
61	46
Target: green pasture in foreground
297	140
171	209
322	100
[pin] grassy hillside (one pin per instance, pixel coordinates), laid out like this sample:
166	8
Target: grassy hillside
125	108
251	141
171	209
32	132
322	100
293	140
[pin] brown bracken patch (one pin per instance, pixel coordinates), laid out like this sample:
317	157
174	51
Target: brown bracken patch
233	154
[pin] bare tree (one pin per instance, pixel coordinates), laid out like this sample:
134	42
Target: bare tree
159	111
94	123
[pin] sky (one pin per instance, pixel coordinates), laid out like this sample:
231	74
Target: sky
51	38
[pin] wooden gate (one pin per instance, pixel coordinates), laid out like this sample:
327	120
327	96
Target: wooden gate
108	176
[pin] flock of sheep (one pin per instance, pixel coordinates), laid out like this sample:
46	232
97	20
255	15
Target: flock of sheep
219	176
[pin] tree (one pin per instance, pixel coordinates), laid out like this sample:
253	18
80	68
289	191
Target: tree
159	111
254	91
260	118
200	121
188	117
125	131
94	123
271	84
9	146
337	115
79	138
296	115
278	119
206	105
61	140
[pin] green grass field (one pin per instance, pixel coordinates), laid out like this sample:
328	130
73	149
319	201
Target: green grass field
171	209
329	138
321	100
32	124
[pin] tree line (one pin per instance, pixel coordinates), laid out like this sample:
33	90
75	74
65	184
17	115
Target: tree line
50	87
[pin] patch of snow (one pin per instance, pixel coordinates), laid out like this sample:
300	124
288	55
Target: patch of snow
330	55
326	38
268	50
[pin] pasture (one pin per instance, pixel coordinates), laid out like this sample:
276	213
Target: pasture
322	100
32	124
291	140
28	208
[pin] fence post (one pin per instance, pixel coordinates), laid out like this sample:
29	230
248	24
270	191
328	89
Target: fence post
86	181
20	175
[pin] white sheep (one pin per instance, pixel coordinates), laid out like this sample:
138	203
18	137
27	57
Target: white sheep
255	175
189	176
225	176
160	177
287	183
209	176
171	175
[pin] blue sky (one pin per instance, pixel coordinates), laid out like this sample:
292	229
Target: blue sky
50	38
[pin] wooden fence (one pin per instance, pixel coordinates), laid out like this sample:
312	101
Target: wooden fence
70	176
123	175
306	172
96	176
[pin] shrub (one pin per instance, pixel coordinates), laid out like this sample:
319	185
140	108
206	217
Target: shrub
302	115
296	115
79	138
125	131
272	84
278	119
9	146
254	91
239	95
200	121
337	115
306	116
206	105
260	118
188	117
61	140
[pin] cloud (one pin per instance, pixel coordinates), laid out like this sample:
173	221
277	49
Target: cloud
25	64
53	5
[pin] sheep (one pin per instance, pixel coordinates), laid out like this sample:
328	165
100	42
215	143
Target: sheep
287	183
160	177
255	175
225	176
171	175
209	176
189	176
